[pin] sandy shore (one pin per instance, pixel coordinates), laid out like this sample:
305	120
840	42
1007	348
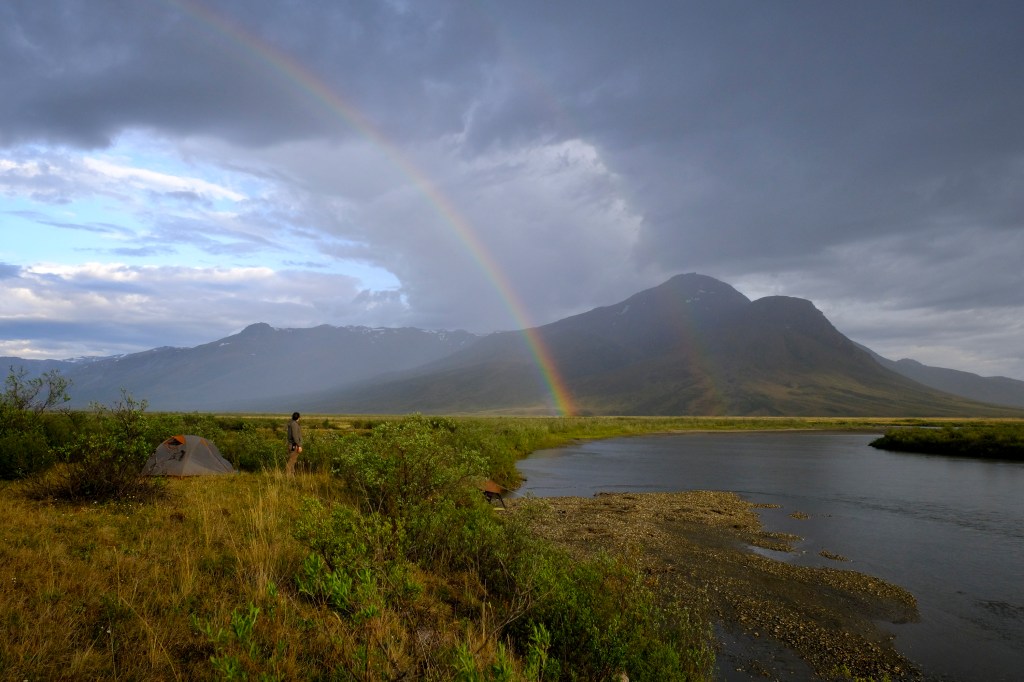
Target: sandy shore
774	620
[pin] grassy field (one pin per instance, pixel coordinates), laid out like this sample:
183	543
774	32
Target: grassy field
119	590
379	561
213	581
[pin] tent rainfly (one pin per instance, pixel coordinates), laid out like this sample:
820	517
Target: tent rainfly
186	456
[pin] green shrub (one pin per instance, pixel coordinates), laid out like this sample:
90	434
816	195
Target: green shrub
320	448
185	423
252	448
603	619
566	619
24	443
403	464
241	649
23	453
357	566
104	462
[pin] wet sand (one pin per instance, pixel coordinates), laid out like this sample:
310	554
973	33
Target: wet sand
773	620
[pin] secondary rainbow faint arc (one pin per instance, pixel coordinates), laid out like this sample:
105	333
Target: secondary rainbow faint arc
293	71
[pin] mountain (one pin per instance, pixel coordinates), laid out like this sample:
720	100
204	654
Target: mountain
259	368
999	390
693	345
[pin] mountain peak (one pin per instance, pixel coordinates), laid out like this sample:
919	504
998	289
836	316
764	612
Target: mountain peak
695	278
693	295
694	284
258	328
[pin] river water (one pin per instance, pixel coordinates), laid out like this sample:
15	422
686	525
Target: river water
950	530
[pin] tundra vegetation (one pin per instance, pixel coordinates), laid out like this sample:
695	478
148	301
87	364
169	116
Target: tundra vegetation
1003	440
380	560
24	426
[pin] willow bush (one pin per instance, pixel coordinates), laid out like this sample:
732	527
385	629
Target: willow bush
417	511
104	459
27	425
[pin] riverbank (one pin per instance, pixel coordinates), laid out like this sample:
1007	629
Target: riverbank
775	620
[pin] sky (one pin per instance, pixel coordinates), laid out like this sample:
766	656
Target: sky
172	171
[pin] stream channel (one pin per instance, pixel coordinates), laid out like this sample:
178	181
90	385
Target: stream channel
950	530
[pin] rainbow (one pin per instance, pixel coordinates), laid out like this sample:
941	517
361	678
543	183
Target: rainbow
286	65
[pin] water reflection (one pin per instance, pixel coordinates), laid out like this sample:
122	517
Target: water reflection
950	530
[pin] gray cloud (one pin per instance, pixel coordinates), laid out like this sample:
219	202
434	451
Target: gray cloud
236	70
530	160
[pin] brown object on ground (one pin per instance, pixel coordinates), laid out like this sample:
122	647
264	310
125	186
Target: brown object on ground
698	545
492	491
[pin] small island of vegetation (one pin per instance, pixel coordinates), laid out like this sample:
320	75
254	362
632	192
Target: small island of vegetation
1000	440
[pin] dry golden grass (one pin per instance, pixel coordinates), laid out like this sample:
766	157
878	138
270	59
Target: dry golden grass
124	591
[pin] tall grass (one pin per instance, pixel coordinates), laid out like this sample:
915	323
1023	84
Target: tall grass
320	576
140	591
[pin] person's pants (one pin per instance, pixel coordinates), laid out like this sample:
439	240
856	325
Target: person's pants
290	467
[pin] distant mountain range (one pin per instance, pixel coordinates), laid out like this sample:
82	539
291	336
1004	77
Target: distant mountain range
260	365
693	345
997	390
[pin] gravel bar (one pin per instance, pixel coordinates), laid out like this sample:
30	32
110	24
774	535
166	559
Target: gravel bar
774	620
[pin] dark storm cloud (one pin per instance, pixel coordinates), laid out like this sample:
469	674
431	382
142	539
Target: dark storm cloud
857	150
83	72
744	129
864	155
774	128
797	124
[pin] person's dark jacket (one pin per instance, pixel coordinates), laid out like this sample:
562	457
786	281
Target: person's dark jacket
294	434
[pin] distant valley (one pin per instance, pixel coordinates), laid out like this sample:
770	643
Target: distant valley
693	345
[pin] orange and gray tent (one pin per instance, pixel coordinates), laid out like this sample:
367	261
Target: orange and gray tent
187	456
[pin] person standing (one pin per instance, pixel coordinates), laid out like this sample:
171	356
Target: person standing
294	443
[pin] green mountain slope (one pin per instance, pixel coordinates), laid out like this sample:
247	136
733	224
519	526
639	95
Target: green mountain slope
693	345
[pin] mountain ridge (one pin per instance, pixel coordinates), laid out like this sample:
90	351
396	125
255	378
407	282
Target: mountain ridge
996	389
691	345
228	373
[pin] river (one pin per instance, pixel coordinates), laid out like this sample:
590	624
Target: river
950	530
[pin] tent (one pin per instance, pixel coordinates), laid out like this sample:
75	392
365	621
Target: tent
186	456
